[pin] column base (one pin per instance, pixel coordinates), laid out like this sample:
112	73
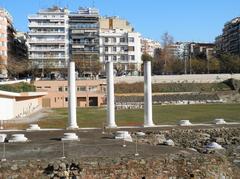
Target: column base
148	125
72	128
111	126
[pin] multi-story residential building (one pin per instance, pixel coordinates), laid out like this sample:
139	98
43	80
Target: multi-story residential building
20	49
206	49
84	35
122	47
149	46
57	35
179	50
229	40
48	38
7	32
187	50
111	23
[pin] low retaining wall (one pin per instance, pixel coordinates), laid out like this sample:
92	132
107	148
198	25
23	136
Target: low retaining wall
199	78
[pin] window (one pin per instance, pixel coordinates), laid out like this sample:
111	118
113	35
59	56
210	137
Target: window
66	99
81	88
114	40
92	88
131	48
132	57
106	58
106	49
106	40
130	39
114	58
114	49
60	89
122	40
122	57
66	88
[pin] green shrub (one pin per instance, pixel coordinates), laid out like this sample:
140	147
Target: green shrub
18	87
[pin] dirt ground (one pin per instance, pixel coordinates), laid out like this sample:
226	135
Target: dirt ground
47	145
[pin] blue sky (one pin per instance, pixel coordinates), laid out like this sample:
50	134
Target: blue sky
185	20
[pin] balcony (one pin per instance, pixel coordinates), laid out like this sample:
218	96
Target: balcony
48	56
115	53
47	33
81	51
86	43
46	24
41	49
34	16
47	41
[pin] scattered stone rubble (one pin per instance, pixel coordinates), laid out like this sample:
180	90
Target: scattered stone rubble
182	165
193	160
195	138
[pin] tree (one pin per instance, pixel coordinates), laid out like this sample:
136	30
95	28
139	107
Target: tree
198	66
177	66
167	40
87	63
17	67
214	65
163	58
146	57
167	56
229	63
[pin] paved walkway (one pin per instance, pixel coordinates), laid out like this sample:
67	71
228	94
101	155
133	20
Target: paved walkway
32	118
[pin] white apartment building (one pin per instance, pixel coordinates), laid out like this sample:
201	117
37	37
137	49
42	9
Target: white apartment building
48	38
149	46
121	47
6	39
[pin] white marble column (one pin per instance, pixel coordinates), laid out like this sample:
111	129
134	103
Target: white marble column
148	122
110	96
72	113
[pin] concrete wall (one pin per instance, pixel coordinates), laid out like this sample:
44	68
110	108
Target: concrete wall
26	106
18	107
203	78
6	108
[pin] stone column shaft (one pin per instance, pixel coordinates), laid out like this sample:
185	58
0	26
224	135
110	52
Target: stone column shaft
110	96
72	113
148	122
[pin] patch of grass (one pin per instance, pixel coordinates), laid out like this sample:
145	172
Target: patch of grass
172	87
170	114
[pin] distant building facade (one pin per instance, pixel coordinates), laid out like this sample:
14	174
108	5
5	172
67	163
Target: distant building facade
121	47
84	33
20	47
179	50
149	46
48	38
88	92
57	35
111	23
187	50
120	44
206	49
7	32
229	40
